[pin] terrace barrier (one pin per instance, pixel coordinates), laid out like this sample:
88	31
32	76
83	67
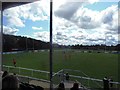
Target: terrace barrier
40	74
82	78
75	76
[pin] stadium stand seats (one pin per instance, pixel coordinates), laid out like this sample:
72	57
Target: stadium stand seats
26	86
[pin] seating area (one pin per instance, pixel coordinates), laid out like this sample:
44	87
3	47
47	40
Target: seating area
26	86
9	81
12	81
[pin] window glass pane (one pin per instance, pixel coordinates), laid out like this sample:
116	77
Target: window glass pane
26	41
85	38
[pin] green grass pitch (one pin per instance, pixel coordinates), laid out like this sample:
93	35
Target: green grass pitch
95	65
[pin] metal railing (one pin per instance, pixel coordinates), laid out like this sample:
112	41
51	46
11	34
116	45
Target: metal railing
27	79
59	76
83	78
40	74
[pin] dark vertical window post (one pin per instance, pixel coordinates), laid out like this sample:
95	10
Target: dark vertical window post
51	52
1	33
118	47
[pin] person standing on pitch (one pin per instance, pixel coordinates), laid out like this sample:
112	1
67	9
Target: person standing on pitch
14	62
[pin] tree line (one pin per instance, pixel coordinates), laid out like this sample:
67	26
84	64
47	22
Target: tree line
97	47
21	43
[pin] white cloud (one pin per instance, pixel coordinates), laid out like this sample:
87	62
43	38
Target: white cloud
93	1
36	11
15	21
68	9
9	30
25	35
67	33
13	18
72	22
37	28
110	17
44	36
57	4
86	26
86	18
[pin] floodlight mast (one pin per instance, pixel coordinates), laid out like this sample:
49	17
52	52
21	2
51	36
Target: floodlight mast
51	51
105	42
26	44
33	45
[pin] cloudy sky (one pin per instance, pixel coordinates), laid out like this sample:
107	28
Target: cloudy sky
88	22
